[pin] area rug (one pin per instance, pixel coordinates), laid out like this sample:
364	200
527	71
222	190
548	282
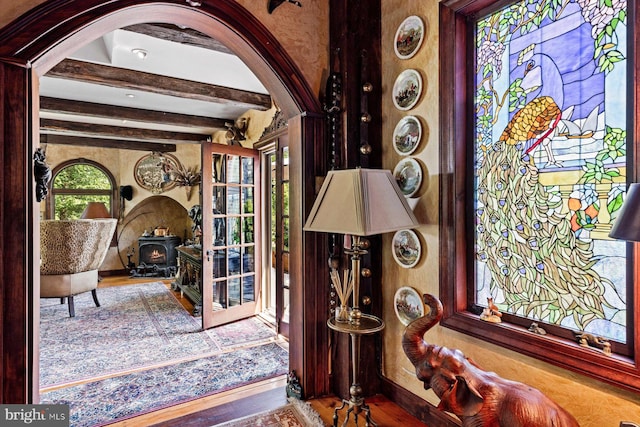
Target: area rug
101	402
137	326
294	414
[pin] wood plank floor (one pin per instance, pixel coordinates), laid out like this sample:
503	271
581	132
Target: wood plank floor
253	398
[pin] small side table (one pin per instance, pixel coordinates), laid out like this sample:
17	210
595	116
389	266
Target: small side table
368	325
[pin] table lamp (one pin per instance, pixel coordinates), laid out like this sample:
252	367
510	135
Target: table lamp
627	224
95	210
359	202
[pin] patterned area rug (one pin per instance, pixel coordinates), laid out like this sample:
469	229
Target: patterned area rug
295	414
136	326
102	402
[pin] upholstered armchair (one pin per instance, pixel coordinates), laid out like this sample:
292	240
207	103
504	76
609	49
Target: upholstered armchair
71	253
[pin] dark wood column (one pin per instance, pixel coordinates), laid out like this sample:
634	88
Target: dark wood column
355	52
16	227
309	295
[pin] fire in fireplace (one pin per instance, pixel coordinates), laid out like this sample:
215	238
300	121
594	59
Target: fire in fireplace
157	255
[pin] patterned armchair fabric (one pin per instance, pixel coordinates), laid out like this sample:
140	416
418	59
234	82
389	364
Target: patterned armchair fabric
71	253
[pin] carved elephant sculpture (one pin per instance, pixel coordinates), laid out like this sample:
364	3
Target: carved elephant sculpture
479	398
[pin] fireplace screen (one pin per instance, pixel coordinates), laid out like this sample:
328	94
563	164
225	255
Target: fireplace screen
160	251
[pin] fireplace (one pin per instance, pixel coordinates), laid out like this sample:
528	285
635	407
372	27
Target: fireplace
157	256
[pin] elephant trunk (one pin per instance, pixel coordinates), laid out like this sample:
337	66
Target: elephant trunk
413	343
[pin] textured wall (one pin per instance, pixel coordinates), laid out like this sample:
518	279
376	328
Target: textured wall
586	399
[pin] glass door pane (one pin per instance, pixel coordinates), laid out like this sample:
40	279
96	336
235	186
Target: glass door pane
231	236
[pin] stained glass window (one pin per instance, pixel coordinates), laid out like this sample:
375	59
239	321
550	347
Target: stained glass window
550	163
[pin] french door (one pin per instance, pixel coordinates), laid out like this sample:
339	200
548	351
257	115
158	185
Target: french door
276	287
230	233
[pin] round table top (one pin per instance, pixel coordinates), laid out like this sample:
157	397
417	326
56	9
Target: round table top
368	325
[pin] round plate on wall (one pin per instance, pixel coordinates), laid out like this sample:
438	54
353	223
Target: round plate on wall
409	37
407	89
406	248
408	305
408	174
407	135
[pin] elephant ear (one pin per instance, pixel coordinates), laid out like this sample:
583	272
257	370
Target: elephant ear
461	399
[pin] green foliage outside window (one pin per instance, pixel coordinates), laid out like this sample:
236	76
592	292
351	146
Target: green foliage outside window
80	176
75	186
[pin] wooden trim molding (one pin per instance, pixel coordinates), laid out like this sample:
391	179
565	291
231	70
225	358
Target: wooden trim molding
416	406
36	42
456	127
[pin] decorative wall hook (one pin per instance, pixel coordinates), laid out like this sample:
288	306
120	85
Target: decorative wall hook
273	4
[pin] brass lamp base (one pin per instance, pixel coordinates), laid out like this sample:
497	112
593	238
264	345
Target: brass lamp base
366	325
356	406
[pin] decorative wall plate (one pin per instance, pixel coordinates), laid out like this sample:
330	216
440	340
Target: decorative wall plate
406	248
407	135
408	174
407	89
153	172
409	37
408	305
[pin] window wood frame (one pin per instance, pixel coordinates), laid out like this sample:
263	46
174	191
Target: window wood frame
112	193
456	35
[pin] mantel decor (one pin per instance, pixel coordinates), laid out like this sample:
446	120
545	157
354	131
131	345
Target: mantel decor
153	172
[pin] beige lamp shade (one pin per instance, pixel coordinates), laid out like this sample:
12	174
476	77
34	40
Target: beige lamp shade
627	223
360	202
95	210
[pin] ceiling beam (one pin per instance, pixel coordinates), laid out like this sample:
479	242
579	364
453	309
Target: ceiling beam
79	141
117	132
89	109
175	34
136	80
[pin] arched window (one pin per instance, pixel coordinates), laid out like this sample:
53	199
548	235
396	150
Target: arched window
77	182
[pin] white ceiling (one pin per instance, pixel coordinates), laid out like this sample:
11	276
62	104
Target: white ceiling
164	58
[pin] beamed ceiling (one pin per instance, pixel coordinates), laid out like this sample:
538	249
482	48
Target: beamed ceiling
187	87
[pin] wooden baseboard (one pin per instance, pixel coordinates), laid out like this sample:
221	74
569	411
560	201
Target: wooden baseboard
110	273
419	408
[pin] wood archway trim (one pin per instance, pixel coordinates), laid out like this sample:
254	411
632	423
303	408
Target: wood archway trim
33	44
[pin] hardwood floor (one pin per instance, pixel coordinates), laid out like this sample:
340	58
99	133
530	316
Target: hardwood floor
383	412
253	398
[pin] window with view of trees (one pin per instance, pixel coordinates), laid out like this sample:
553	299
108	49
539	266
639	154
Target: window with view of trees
76	183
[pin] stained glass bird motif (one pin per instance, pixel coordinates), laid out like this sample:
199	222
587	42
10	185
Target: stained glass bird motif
538	268
534	124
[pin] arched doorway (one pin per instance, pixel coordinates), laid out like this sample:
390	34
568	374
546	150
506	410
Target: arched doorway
33	44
